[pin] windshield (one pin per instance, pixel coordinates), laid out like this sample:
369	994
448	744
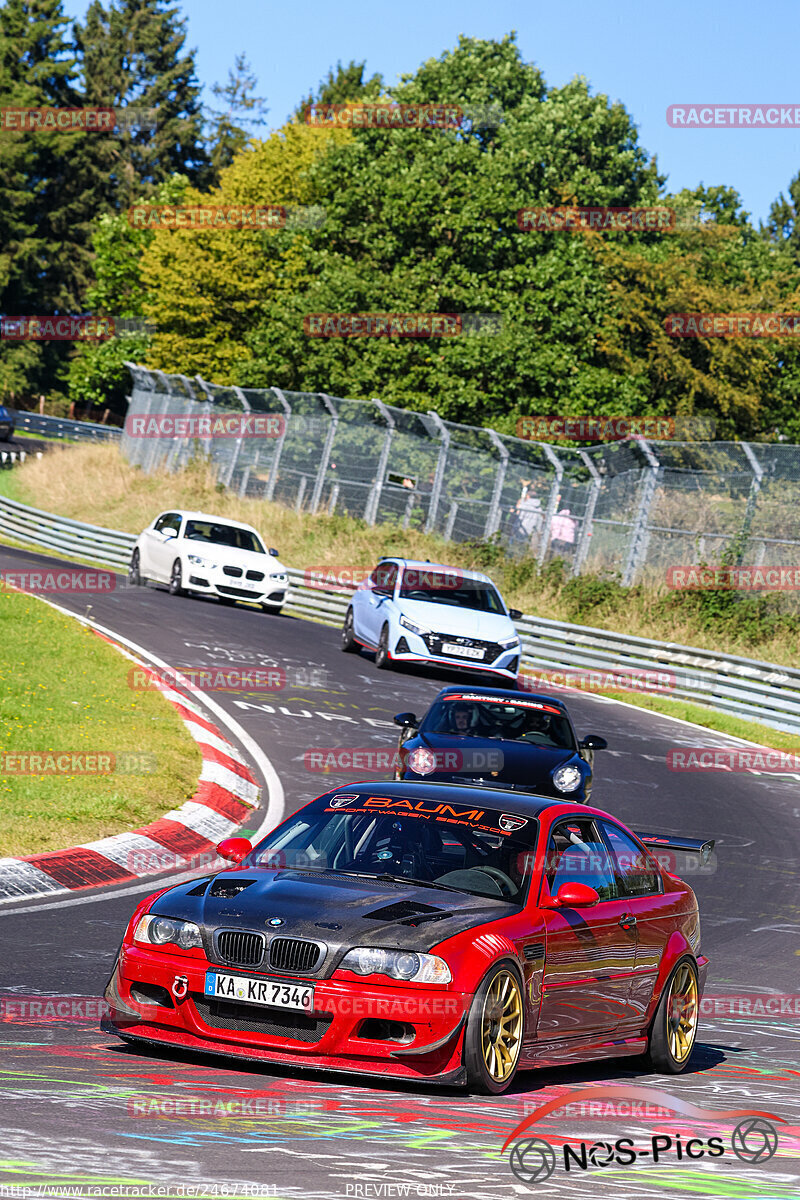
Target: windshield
481	597
467	714
472	850
223	535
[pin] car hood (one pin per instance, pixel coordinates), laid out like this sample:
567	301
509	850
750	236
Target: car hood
229	556
460	622
340	911
515	762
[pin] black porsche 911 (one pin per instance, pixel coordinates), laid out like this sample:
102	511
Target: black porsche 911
501	737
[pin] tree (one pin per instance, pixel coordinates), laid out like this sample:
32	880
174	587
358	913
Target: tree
342	86
227	135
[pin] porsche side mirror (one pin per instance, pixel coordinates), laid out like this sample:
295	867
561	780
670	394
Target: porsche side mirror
516	614
405	719
572	895
593	741
273	552
234	849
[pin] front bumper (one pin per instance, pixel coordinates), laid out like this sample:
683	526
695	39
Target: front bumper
412	647
214	583
346	1031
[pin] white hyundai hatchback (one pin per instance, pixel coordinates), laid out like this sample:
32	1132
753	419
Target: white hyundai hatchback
411	611
210	556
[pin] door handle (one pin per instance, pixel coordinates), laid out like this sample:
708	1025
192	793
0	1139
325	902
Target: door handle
628	921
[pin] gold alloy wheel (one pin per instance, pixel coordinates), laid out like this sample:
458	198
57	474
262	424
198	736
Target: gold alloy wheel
682	1012
501	1026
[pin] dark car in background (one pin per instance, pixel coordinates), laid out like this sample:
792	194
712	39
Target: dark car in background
7	424
499	737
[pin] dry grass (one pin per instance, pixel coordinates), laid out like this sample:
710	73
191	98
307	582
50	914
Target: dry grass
96	484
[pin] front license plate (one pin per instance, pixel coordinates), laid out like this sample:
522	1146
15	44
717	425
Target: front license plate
462	651
267	992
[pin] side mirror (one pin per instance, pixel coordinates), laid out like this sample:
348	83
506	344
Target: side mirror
593	741
169	533
234	849
404	719
516	614
273	552
572	895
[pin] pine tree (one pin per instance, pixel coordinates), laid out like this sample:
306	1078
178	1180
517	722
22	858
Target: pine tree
227	134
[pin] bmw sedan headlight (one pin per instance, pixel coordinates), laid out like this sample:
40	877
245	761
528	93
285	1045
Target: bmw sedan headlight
200	562
164	931
420	630
398	964
509	643
567	778
281	576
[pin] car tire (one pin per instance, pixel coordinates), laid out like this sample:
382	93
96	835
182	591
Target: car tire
176	587
493	1042
383	659
135	577
349	643
674	1027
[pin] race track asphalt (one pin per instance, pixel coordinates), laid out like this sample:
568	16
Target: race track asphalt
74	1098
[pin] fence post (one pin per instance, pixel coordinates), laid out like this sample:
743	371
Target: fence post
585	534
240	396
326	452
276	458
451	520
441	463
552	502
752	500
371	511
640	533
493	516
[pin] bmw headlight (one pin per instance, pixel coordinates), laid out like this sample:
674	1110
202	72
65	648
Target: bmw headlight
198	561
509	643
420	630
567	778
281	576
398	964
164	931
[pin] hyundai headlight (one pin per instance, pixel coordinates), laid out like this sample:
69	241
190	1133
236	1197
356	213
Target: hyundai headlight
567	779
165	931
509	643
198	561
420	630
398	964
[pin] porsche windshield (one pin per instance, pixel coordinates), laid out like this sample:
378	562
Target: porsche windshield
528	721
472	852
223	535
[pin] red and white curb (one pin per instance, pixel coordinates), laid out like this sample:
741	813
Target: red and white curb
183	838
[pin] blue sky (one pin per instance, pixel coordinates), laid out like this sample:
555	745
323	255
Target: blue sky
646	55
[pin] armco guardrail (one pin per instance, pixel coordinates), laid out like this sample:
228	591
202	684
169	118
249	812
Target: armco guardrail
759	691
62	427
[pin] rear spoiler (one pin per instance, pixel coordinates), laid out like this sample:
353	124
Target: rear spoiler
669	842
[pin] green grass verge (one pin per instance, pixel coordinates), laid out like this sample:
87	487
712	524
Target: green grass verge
66	690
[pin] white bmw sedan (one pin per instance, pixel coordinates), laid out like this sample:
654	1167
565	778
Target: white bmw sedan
210	556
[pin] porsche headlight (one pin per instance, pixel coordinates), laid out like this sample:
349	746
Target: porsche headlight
198	561
163	931
422	761
567	778
420	630
398	964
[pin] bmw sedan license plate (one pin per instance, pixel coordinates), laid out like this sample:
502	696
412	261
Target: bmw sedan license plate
462	651
269	992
